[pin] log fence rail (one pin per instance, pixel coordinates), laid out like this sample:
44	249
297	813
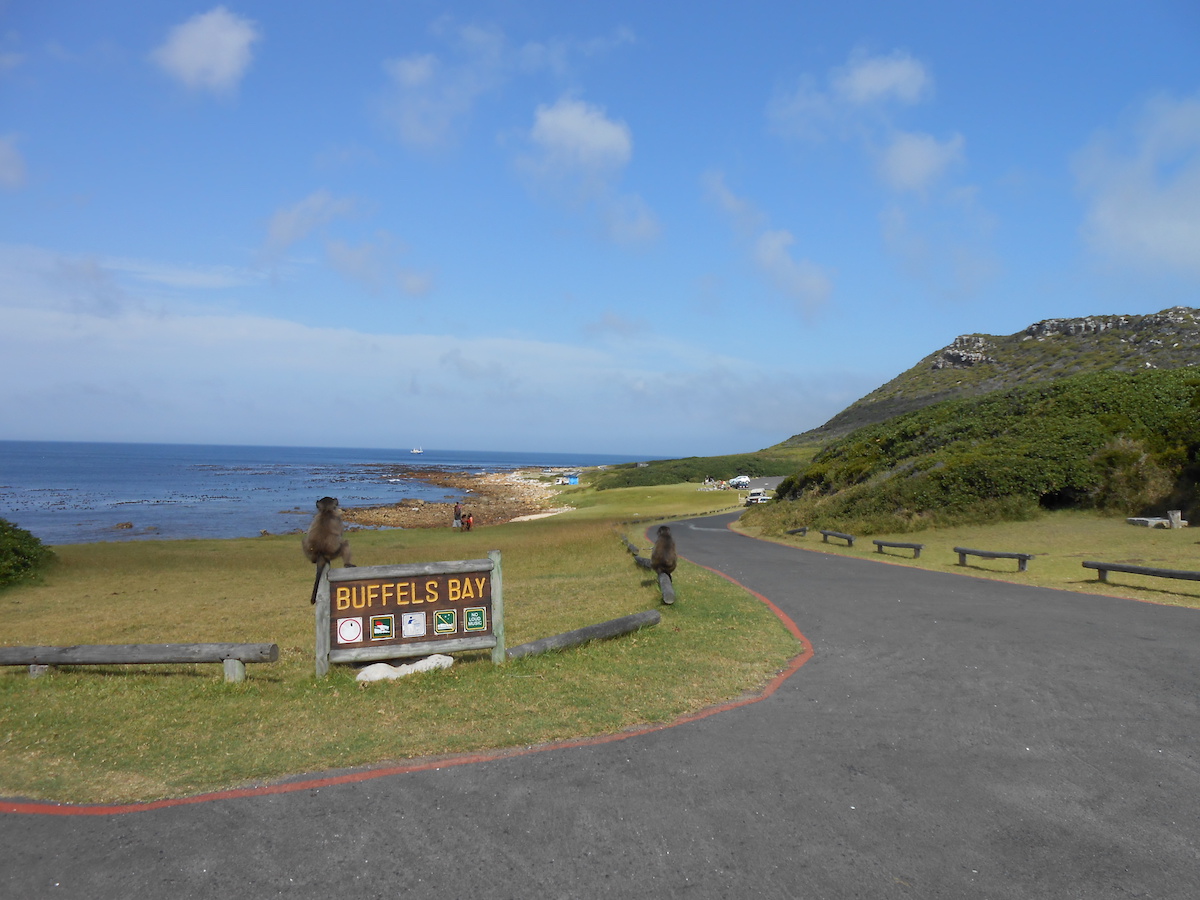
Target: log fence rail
1021	558
232	656
915	548
826	535
1104	568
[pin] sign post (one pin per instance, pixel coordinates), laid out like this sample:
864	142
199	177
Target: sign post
373	613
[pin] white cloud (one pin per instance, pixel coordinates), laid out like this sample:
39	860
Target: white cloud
954	263
856	96
412	71
630	221
291	225
576	136
430	96
878	79
1142	187
913	162
745	215
427	99
851	108
12	164
805	112
210	51
578	154
938	239
616	326
182	277
32	277
130	372
557	54
86	287
376	265
800	280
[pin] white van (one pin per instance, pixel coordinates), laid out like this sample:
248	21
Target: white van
740	482
758	495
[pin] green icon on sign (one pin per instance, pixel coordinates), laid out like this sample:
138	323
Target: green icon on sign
445	621
383	628
475	618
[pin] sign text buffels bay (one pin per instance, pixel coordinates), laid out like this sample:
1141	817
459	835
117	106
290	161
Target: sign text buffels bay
431	590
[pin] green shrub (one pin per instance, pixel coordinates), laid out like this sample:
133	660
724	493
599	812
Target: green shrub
693	469
1125	443
21	554
1130	478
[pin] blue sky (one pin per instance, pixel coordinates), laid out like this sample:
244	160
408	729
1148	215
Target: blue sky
648	229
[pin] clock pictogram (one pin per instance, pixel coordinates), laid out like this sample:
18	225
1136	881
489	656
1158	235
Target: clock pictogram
349	631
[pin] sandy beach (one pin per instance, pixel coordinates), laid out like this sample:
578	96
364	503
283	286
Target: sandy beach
491	498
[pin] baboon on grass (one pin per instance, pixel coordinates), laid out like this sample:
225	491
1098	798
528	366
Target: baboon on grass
324	542
663	558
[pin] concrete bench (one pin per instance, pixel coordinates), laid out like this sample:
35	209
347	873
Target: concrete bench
802	530
1104	568
826	535
1021	558
915	548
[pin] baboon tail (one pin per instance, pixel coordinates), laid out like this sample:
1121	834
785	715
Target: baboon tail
321	564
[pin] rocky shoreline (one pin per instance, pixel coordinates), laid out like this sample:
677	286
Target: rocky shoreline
492	498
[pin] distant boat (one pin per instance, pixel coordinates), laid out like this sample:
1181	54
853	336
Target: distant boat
416	450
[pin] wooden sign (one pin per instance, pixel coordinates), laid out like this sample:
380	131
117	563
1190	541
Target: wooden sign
373	613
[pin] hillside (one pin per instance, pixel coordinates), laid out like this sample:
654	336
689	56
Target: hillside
977	364
1126	443
697	469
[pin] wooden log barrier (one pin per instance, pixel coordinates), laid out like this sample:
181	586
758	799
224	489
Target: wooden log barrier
826	535
915	548
232	656
611	628
1021	558
667	586
1103	568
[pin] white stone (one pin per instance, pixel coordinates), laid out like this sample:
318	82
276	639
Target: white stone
383	671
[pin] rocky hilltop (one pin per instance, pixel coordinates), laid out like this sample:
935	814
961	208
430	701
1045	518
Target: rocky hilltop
976	364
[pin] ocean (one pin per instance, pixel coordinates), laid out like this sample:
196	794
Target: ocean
70	493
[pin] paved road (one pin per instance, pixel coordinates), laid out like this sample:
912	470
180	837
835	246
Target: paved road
950	737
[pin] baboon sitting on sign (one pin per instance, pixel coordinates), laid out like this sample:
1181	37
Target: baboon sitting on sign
324	542
663	558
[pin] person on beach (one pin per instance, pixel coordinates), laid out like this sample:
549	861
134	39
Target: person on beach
468	522
457	514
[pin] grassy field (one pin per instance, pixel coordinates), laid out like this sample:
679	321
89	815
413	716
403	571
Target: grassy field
112	734
649	503
1061	541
